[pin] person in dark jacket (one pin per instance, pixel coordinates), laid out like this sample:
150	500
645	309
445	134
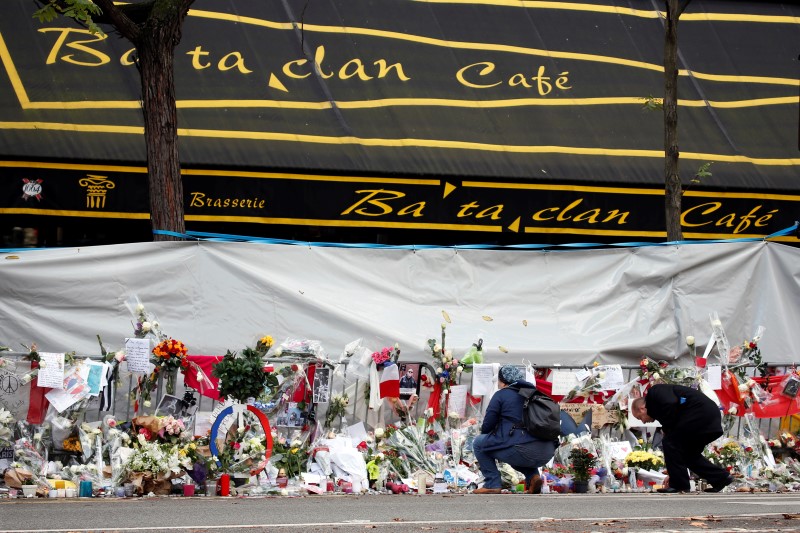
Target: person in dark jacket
690	420
504	438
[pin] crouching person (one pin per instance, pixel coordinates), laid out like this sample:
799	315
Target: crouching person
503	437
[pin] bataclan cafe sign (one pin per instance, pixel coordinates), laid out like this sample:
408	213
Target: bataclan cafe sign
386	123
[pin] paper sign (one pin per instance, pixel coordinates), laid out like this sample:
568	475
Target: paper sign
482	379
563	382
636	423
203	421
95	377
713	374
612	379
582	375
52	375
530	375
457	400
600	415
75	379
137	354
619	450
358	432
62	400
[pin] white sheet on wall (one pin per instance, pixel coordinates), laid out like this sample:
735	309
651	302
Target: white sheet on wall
611	305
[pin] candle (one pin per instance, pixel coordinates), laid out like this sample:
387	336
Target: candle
225	485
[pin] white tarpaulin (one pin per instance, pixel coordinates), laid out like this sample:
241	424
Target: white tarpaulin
609	305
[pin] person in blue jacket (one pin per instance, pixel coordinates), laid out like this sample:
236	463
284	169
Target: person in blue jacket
503	437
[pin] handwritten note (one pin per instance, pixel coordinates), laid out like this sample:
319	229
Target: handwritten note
137	354
457	401
714	376
51	372
482	379
563	382
612	377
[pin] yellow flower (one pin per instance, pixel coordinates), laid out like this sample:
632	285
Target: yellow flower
266	340
293	450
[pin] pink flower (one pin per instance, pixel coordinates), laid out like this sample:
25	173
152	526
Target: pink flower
237	445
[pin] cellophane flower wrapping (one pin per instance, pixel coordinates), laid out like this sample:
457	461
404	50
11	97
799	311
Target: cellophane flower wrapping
411	441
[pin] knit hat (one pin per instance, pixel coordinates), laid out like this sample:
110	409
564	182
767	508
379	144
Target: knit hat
510	374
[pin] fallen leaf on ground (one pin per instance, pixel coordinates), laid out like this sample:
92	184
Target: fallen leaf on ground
791	516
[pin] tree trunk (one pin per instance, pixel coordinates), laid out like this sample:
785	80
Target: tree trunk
672	180
156	58
154	28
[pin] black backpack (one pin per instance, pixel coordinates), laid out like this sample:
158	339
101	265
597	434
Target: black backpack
541	415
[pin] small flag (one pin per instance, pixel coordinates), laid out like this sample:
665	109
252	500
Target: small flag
390	382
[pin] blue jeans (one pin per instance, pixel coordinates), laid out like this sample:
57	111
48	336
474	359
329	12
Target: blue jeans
527	458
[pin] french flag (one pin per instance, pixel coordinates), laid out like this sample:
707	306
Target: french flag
390	382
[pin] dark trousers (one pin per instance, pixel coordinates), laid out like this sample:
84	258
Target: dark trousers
682	452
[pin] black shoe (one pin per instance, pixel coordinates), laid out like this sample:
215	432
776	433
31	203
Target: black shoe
718	488
667	490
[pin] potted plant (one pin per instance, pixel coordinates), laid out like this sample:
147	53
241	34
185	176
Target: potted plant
29	486
242	376
582	461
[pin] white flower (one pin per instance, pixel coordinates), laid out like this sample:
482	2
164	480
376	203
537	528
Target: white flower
139	309
146	327
296	443
690	340
42	364
429	412
155	324
37	436
448	354
379	433
656	375
733	410
284	492
444	325
437	348
460	369
716	323
141	439
277	351
439	370
148	403
743	387
380	456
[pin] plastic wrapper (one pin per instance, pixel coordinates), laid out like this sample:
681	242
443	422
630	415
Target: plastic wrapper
88	433
6	427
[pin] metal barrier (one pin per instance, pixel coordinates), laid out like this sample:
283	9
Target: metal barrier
122	407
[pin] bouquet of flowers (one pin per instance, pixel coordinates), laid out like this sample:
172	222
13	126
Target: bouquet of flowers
582	461
726	455
661	372
387	356
448	369
291	456
645	460
336	408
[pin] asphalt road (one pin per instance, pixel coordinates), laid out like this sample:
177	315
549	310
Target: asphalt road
402	513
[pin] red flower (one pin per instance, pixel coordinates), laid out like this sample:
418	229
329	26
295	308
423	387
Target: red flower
146	432
752	346
237	445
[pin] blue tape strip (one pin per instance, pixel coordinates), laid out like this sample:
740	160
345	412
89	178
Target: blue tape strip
224	237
